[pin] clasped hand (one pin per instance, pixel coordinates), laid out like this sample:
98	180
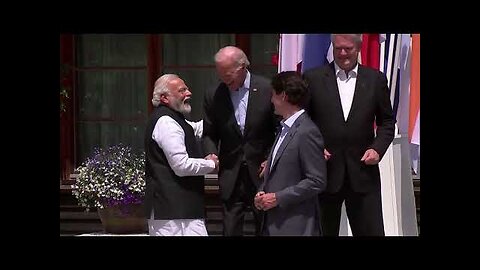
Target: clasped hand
265	201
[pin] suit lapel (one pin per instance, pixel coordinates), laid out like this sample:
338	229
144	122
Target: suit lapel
269	159
253	97
358	94
229	106
287	139
331	82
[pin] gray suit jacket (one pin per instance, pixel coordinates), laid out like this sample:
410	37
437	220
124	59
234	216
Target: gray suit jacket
296	176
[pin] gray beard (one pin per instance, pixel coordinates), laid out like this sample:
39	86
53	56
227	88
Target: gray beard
182	107
185	108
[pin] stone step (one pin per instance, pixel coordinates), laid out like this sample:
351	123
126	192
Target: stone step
76	228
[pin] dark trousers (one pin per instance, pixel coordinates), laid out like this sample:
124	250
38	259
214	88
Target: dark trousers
364	211
240	202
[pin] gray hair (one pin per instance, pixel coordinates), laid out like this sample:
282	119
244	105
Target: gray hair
160	87
357	38
233	52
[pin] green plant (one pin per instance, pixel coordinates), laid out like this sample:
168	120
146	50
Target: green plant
112	176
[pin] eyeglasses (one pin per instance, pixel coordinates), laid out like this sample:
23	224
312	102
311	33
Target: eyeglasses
347	49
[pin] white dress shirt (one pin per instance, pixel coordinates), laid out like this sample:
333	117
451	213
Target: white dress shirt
170	137
286	125
240	102
346	87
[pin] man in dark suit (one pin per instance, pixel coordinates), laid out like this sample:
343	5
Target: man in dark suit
295	171
346	100
239	124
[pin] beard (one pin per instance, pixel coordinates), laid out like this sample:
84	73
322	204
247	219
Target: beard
182	106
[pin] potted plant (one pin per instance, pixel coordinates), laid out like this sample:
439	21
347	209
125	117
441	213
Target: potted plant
113	181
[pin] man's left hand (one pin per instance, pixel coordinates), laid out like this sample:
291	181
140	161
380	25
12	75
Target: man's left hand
268	201
371	157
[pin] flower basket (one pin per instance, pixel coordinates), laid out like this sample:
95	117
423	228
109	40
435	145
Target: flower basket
113	181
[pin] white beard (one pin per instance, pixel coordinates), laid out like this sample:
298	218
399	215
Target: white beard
182	107
186	108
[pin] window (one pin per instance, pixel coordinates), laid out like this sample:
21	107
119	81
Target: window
263	50
111	91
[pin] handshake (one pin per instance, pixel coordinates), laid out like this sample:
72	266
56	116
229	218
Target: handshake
215	159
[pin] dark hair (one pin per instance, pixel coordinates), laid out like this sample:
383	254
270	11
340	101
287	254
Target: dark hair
292	84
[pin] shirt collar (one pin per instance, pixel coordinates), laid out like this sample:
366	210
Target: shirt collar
246	83
339	71
288	123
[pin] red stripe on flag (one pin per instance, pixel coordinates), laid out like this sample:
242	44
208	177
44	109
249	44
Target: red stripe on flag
370	53
414	84
371	50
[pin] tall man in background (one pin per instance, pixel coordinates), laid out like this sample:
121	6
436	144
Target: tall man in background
346	100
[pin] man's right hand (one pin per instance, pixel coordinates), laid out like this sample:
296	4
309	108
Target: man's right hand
326	154
257	200
215	159
261	169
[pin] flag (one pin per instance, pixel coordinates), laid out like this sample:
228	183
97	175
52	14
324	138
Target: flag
291	52
390	48
300	52
370	51
414	116
403	74
383	48
317	51
401	103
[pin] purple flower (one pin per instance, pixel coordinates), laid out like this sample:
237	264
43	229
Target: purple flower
112	176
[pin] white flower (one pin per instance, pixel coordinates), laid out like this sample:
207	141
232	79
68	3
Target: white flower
109	176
